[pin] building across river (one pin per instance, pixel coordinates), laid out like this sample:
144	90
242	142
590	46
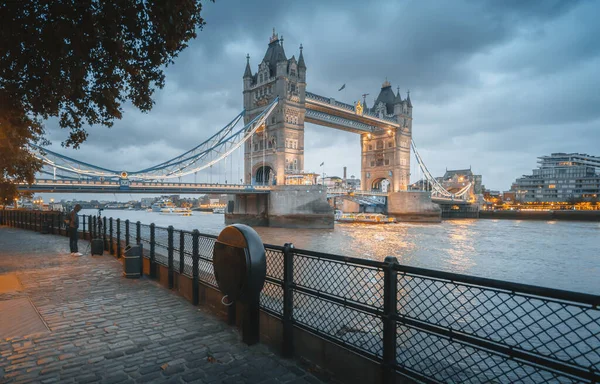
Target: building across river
560	177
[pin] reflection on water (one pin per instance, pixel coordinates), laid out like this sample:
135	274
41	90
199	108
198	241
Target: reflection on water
556	254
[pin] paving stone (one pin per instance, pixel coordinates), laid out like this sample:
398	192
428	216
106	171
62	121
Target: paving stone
105	328
114	355
193	376
118	378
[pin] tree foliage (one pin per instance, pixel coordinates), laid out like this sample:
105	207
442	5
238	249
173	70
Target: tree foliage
80	61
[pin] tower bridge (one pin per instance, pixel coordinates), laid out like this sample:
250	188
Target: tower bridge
274	188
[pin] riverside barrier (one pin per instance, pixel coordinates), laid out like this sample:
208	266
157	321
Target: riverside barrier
372	321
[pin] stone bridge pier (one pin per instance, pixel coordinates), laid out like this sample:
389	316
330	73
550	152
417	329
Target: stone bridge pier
287	206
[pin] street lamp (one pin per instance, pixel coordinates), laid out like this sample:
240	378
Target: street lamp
323	172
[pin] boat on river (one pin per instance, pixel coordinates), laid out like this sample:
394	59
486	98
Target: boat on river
176	211
367	218
220	210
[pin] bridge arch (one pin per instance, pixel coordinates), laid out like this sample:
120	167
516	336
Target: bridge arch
264	174
381	184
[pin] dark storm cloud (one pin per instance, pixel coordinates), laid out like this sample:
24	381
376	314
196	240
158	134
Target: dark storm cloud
494	83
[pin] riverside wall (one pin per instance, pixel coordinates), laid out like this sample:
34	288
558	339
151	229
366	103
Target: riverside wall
568	215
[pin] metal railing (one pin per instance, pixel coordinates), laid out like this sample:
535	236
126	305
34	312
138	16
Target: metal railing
431	326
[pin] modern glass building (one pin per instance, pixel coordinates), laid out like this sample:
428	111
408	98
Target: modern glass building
561	177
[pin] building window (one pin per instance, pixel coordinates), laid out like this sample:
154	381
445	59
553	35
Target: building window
372	163
389	144
551	186
295	163
370	147
387	161
293	72
380	144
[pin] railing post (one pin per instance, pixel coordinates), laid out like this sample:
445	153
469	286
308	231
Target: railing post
127	232
288	301
181	251
170	253
390	293
152	251
195	266
83	237
138	232
118	238
104	233
94	227
111	244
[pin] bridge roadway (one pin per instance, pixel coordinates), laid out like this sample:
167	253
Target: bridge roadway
90	186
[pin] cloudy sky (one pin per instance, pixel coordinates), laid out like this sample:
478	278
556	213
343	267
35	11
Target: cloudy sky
494	84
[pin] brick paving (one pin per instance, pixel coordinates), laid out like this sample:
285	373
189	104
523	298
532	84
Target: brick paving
105	328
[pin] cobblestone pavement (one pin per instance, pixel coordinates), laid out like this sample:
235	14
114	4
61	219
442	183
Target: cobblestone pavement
105	328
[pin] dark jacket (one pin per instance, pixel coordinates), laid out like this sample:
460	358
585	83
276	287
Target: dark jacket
74	217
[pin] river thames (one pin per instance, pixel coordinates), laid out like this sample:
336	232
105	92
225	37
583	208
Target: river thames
555	254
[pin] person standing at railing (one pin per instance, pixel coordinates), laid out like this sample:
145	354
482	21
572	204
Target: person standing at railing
73	227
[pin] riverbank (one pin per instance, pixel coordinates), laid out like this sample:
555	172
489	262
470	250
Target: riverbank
77	319
567	215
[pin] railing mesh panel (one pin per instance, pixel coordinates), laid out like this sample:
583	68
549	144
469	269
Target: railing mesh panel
350	327
448	361
351	281
161	250
271	298
558	330
274	257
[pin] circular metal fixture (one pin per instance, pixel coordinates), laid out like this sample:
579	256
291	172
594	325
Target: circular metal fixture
239	262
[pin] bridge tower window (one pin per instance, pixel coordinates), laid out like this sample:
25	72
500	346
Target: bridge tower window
389	144
379	144
370	147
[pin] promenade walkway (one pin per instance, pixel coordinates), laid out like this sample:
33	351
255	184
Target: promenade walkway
76	319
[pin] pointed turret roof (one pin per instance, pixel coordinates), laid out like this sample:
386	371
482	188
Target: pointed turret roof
248	71
386	95
274	54
398	98
408	99
301	59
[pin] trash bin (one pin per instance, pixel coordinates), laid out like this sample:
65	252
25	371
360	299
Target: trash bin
45	227
132	263
97	247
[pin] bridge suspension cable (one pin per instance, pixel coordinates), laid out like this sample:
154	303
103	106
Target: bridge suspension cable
203	156
437	190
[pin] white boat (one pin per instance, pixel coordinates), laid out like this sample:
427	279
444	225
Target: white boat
176	211
220	210
367	218
161	204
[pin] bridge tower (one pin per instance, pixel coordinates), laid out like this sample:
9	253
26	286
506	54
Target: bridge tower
278	148
386	153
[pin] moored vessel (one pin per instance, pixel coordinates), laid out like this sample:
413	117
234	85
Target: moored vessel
367	218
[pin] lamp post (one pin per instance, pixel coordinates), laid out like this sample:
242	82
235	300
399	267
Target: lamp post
323	172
